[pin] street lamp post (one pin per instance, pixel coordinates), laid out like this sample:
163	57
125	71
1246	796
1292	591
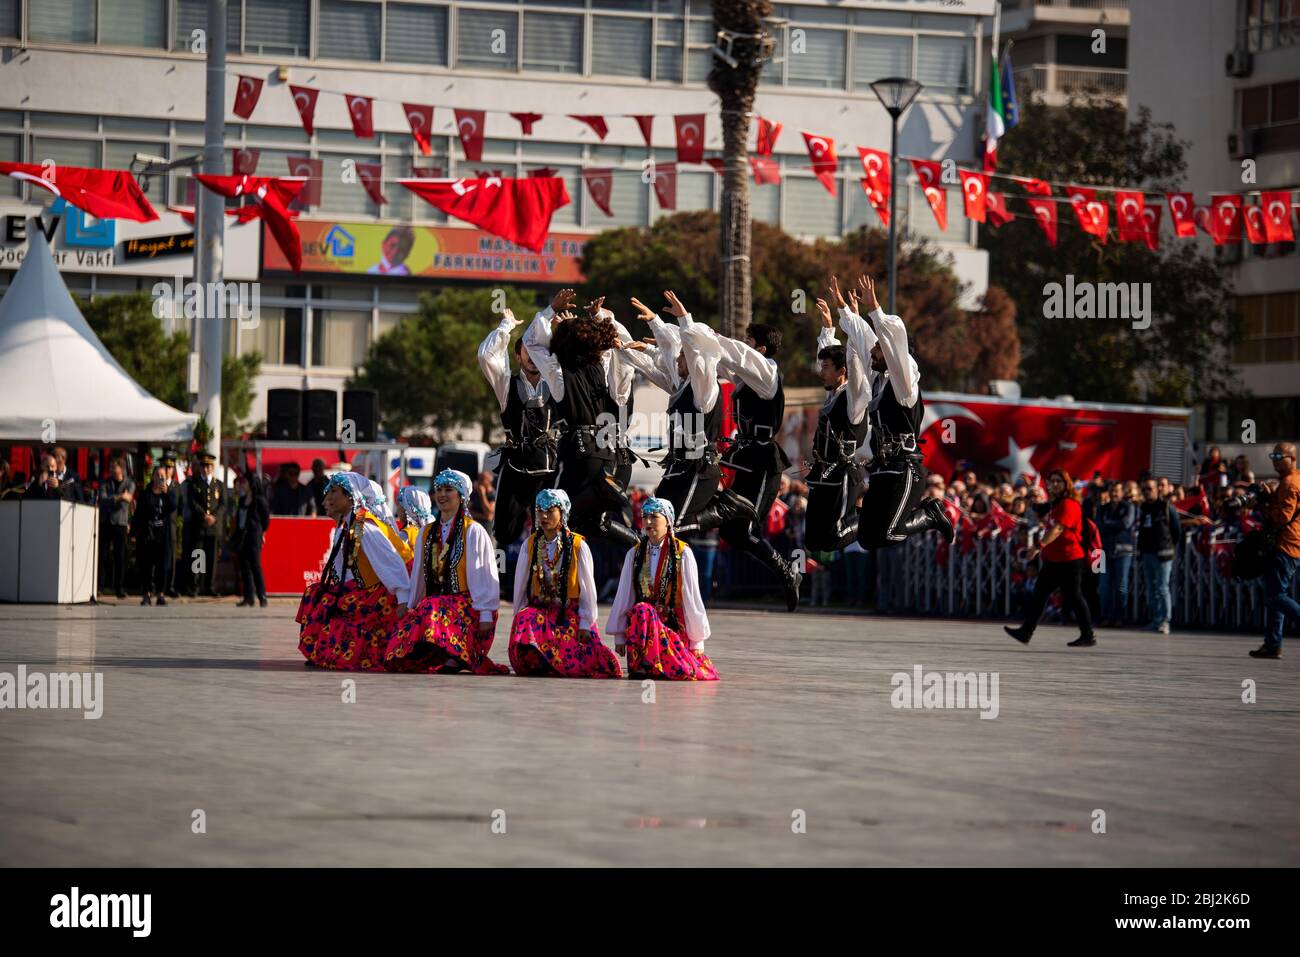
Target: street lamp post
896	94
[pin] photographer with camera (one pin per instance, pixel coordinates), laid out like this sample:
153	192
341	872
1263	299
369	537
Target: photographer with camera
1273	552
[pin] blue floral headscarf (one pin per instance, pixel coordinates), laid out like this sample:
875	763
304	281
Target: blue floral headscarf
453	479
659	506
415	502
554	498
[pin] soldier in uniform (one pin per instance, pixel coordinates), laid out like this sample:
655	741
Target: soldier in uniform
205	501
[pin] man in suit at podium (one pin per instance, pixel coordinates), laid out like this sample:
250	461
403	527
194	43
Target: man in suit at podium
205	500
47	484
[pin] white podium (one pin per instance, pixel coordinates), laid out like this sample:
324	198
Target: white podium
49	551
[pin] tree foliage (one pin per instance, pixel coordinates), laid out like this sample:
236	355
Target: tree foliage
1181	357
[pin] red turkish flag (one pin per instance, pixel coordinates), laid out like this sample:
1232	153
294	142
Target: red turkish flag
1128	216
1277	219
974	191
878	200
361	112
1036	186
273	196
1093	214
426	172
485	174
1045	214
469	126
304	98
1181	209
600	183
311	170
928	171
1254	218
1201	216
822	153
765	169
718	164
104	193
876	165
996	212
666	185
247	94
690	137
371	176
1225	213
420	119
518	210
526	121
597	124
768	133
543	171
243	162
1151	227
646	124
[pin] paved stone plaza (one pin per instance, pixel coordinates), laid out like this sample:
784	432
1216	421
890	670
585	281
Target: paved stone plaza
208	706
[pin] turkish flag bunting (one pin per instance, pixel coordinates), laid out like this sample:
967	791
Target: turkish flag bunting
928	171
420	118
1093	214
1254	219
273	196
768	133
765	169
1036	186
717	162
243	162
487	173
1201	216
1151	227
690	137
518	210
1128	216
1045	213
304	97
974	191
666	185
526	121
372	178
310	170
822	153
876	165
600	183
247	94
104	193
1277	219
361	112
597	123
243	214
543	171
996	212
1225	212
426	172
469	126
646	124
879	202
1181	209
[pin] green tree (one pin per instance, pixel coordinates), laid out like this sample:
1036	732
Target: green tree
425	369
1181	357
238	376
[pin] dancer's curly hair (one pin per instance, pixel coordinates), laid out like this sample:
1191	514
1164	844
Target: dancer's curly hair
581	340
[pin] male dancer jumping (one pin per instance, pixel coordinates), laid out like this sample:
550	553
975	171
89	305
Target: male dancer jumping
572	354
892	508
528	416
758	461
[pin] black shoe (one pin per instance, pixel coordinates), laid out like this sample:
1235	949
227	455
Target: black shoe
262	602
793	577
942	523
144	599
1019	634
161	600
1264	651
210	593
1083	641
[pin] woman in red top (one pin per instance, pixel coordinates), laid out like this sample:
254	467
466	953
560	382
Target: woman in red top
1062	565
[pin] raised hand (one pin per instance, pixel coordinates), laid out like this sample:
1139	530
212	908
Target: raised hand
868	287
644	311
674	307
825	311
833	284
508	314
593	307
563	300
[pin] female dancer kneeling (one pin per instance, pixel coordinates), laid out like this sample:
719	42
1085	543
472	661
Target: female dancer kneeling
658	618
346	617
455	592
414	511
554	631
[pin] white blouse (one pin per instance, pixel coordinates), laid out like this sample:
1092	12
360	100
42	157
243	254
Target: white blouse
494	357
734	360
695	620
586	581
480	567
383	558
859	388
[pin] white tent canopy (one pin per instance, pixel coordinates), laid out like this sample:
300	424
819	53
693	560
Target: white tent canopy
54	370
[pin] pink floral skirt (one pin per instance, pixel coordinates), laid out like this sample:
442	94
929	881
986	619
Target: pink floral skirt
441	634
346	628
539	646
656	651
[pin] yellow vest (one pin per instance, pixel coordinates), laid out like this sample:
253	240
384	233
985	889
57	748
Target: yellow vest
571	590
364	570
412	532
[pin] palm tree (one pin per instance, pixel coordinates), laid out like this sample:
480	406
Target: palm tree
741	21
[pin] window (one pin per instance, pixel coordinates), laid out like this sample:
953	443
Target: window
487	39
276	27
552	43
1268	24
809	209
1270	330
337	196
134	23
816	58
340	338
11	151
876	56
8	18
348	30
944	63
620	46
668	50
62	21
1274	111
192	15
416	34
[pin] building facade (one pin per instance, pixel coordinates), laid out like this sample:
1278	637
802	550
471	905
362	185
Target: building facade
94	82
1057	50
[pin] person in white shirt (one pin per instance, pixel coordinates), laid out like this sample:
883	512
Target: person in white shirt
658	619
554	631
346	617
455	591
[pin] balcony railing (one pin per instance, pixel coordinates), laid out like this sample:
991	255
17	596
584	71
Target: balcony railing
1050	78
1076	4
